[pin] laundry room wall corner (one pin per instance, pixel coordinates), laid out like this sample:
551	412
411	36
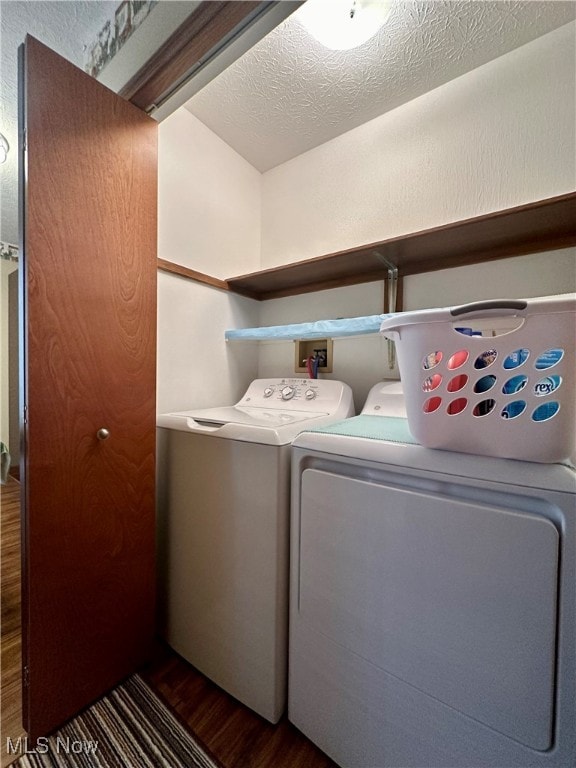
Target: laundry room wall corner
195	365
208	200
209	221
496	137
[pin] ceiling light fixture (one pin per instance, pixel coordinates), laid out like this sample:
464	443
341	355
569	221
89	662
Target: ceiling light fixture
344	24
4	147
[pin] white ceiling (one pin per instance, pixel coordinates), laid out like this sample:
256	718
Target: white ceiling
289	94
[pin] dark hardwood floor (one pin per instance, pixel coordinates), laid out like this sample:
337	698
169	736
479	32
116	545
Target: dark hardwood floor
11	712
235	735
232	733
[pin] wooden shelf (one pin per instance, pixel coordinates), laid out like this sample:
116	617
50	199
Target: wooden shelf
545	225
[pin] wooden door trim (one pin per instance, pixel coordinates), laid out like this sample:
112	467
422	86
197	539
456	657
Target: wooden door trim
200	37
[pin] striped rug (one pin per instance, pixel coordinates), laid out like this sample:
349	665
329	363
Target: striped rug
128	728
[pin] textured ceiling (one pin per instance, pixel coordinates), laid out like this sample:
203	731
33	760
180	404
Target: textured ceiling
66	27
289	93
69	27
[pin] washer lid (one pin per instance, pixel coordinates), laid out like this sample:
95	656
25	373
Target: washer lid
271	412
267	426
247	415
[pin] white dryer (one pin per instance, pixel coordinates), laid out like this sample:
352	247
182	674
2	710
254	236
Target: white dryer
433	599
224	486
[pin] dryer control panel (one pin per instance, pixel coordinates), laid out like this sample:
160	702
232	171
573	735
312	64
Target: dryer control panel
385	399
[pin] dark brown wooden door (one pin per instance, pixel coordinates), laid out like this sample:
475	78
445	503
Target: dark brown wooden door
89	343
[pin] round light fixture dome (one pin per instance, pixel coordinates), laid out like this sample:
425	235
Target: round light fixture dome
344	24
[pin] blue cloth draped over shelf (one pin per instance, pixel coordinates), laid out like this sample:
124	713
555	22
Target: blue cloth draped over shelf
320	329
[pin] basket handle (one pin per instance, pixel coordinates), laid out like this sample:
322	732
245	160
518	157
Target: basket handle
479	307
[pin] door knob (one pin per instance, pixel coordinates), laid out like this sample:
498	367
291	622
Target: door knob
103	434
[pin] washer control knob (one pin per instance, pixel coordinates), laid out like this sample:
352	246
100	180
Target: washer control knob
309	394
268	391
287	393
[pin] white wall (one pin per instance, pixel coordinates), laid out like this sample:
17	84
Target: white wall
539	274
196	368
208	220
360	361
208	200
499	136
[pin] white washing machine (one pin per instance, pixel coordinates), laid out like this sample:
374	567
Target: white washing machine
433	597
224	483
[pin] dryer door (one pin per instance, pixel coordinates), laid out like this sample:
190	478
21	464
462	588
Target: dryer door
454	597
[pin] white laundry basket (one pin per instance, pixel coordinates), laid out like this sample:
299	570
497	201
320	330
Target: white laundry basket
509	395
